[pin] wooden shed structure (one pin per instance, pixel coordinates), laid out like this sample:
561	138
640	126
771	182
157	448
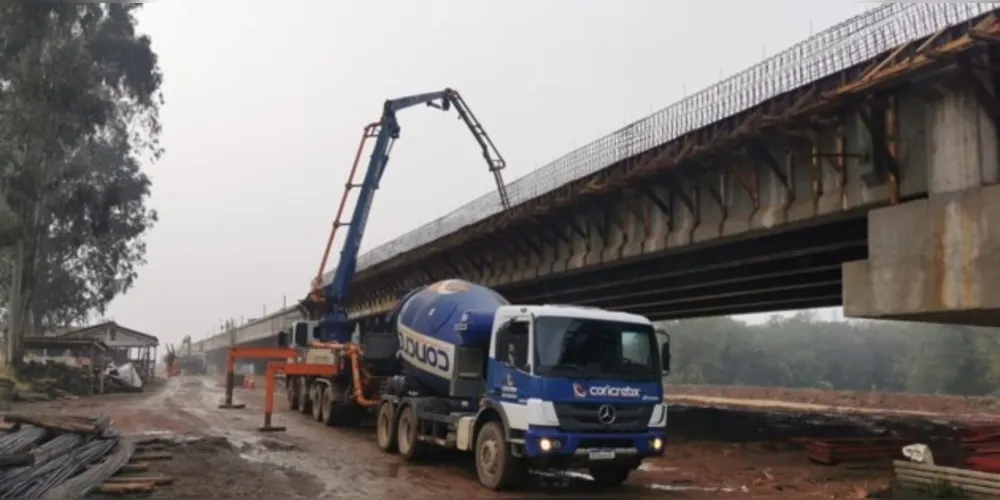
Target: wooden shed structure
92	356
126	345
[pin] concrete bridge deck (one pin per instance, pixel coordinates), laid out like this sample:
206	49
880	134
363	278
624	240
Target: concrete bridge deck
880	146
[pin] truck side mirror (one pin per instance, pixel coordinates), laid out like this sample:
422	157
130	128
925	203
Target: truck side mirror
665	357
301	334
664	338
282	339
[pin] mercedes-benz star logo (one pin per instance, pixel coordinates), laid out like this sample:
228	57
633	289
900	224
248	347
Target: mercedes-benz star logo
606	414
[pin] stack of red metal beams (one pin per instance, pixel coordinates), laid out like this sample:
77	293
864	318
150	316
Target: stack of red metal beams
982	447
853	449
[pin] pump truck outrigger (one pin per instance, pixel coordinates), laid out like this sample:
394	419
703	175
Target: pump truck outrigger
455	365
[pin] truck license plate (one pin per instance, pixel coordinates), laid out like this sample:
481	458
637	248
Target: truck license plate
602	455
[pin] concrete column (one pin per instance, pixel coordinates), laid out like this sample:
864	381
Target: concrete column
938	259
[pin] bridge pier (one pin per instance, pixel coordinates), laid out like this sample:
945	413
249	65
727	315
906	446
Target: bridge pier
938	259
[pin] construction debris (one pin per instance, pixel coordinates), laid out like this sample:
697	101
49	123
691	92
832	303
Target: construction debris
981	445
52	380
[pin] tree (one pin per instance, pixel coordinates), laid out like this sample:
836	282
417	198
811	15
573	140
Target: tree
96	240
79	102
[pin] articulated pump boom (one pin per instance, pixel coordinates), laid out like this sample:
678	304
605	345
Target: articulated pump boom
330	301
459	367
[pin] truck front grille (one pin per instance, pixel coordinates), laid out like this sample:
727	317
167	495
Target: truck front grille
586	417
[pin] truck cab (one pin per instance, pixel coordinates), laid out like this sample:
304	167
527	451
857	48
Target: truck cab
576	387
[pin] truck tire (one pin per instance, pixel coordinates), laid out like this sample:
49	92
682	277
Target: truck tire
316	394
406	435
498	469
609	476
305	401
340	414
385	428
292	393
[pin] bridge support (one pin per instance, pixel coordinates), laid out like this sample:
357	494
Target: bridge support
938	259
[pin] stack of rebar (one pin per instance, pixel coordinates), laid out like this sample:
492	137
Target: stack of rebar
64	456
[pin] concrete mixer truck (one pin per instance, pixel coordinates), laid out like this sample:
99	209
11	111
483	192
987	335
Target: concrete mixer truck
455	365
521	386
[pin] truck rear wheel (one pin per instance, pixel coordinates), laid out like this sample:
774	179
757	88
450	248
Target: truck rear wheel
608	476
498	469
304	394
316	394
292	393
406	435
385	428
340	414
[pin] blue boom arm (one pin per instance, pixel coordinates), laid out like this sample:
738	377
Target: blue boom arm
335	326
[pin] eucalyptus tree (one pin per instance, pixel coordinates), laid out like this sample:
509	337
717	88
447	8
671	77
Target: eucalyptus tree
79	112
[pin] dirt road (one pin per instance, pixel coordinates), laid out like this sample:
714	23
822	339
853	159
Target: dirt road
311	460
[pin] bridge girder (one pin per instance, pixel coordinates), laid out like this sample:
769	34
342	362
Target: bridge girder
824	152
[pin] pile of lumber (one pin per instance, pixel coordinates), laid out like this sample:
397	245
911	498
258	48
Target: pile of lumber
135	476
946	482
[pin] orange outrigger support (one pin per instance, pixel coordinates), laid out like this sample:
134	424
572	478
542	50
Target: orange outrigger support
282	353
353	354
270	384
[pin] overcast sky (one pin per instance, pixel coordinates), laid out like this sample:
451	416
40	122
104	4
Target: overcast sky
265	101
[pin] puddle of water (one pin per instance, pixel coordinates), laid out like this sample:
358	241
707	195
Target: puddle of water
669	487
170	436
713	489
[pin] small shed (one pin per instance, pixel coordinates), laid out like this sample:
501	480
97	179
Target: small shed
126	344
91	355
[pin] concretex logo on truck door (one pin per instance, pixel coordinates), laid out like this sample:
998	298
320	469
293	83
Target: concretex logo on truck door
609	391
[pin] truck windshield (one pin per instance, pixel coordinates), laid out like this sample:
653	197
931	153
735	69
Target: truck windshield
586	348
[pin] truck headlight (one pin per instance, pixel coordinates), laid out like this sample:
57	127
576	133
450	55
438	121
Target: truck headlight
547	445
656	444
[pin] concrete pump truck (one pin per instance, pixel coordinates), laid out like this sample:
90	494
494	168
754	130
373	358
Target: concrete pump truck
455	365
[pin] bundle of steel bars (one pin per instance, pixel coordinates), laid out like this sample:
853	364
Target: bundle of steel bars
40	454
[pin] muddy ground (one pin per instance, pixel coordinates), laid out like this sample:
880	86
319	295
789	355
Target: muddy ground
712	453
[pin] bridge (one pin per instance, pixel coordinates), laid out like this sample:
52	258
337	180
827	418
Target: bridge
857	168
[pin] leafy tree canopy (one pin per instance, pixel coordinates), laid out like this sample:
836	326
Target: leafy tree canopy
79	112
801	351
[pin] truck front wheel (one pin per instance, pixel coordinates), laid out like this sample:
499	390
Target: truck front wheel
609	476
498	469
